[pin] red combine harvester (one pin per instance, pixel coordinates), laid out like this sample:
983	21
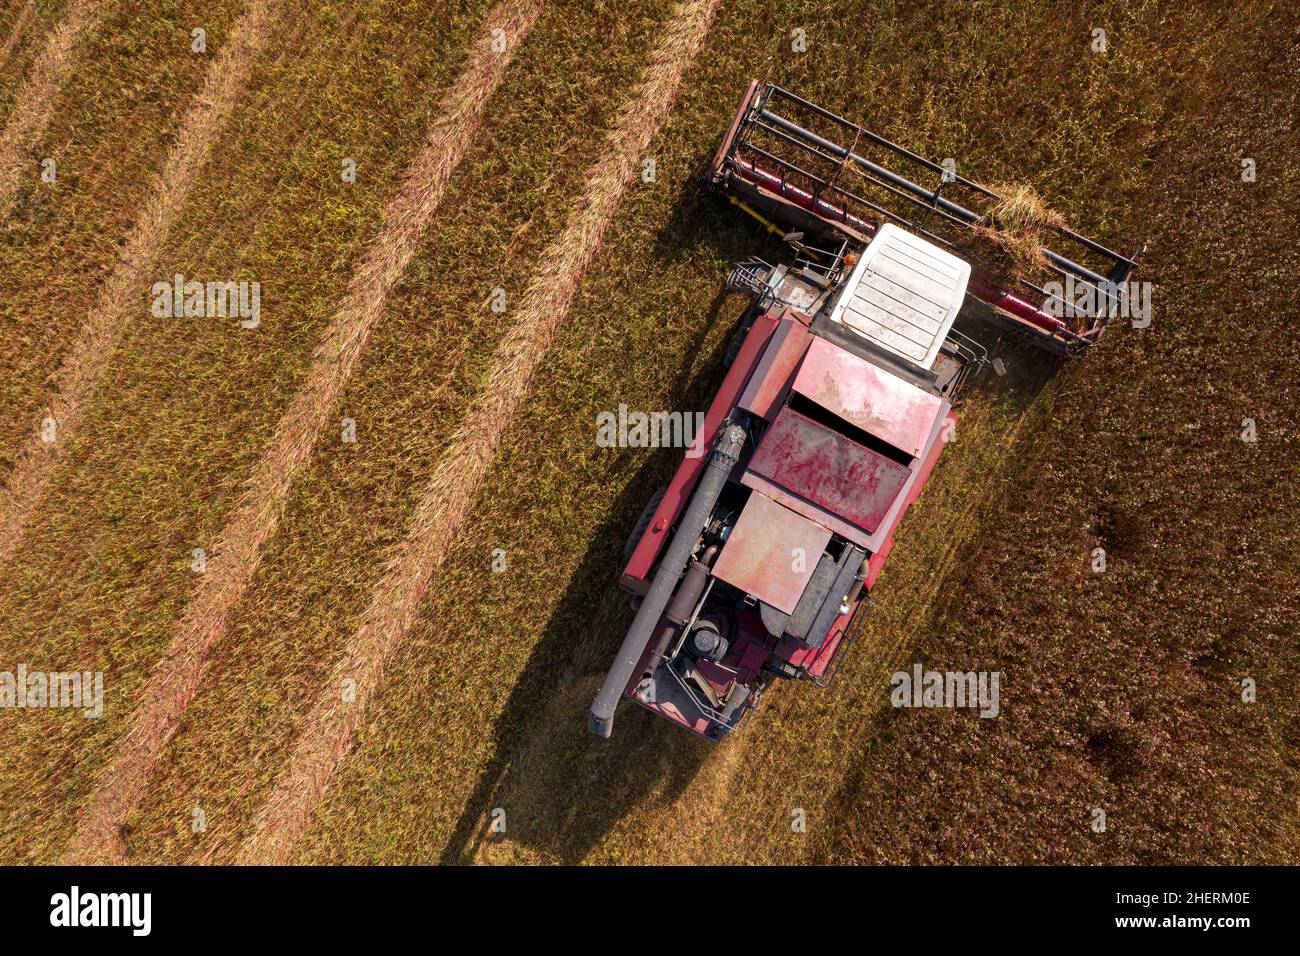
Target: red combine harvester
753	563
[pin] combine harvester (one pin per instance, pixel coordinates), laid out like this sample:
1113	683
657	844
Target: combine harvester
752	564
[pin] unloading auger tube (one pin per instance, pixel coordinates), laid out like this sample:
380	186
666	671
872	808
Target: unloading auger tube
726	452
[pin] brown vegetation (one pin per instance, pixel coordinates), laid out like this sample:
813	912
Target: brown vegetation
1016	229
371	560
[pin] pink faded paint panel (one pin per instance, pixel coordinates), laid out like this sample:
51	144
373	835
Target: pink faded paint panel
877	401
771	552
827	469
772	374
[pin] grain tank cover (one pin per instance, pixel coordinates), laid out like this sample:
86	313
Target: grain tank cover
903	295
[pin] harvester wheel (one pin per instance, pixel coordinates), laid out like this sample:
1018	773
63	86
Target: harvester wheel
642	523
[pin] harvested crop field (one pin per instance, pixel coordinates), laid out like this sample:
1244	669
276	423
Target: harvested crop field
348	561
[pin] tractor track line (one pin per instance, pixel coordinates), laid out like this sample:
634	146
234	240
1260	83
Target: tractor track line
31	111
448	497
16	32
98	337
236	554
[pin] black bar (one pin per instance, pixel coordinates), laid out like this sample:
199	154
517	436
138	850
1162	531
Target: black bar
881	141
909	908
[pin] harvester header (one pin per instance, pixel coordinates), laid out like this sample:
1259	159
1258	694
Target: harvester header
824	174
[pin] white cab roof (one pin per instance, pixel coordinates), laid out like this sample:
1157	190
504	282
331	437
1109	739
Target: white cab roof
903	295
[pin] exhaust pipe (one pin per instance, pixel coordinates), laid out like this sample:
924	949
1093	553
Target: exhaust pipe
726	452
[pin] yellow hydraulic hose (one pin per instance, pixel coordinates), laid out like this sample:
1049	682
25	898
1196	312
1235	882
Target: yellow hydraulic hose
773	228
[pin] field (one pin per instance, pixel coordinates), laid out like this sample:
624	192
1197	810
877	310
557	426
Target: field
348	567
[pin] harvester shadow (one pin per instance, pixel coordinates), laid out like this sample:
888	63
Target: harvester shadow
1028	370
561	789
557	789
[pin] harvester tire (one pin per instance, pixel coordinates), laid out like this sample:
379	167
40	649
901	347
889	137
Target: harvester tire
642	523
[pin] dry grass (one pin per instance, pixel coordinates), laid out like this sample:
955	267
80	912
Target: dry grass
454	485
248	220
1015	230
16	32
111	126
222	410
31	112
1120	689
98	337
236	554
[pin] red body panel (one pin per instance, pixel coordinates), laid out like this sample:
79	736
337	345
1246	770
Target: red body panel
758	557
808	482
636	574
877	401
765	370
768	386
923	470
817	660
847	480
